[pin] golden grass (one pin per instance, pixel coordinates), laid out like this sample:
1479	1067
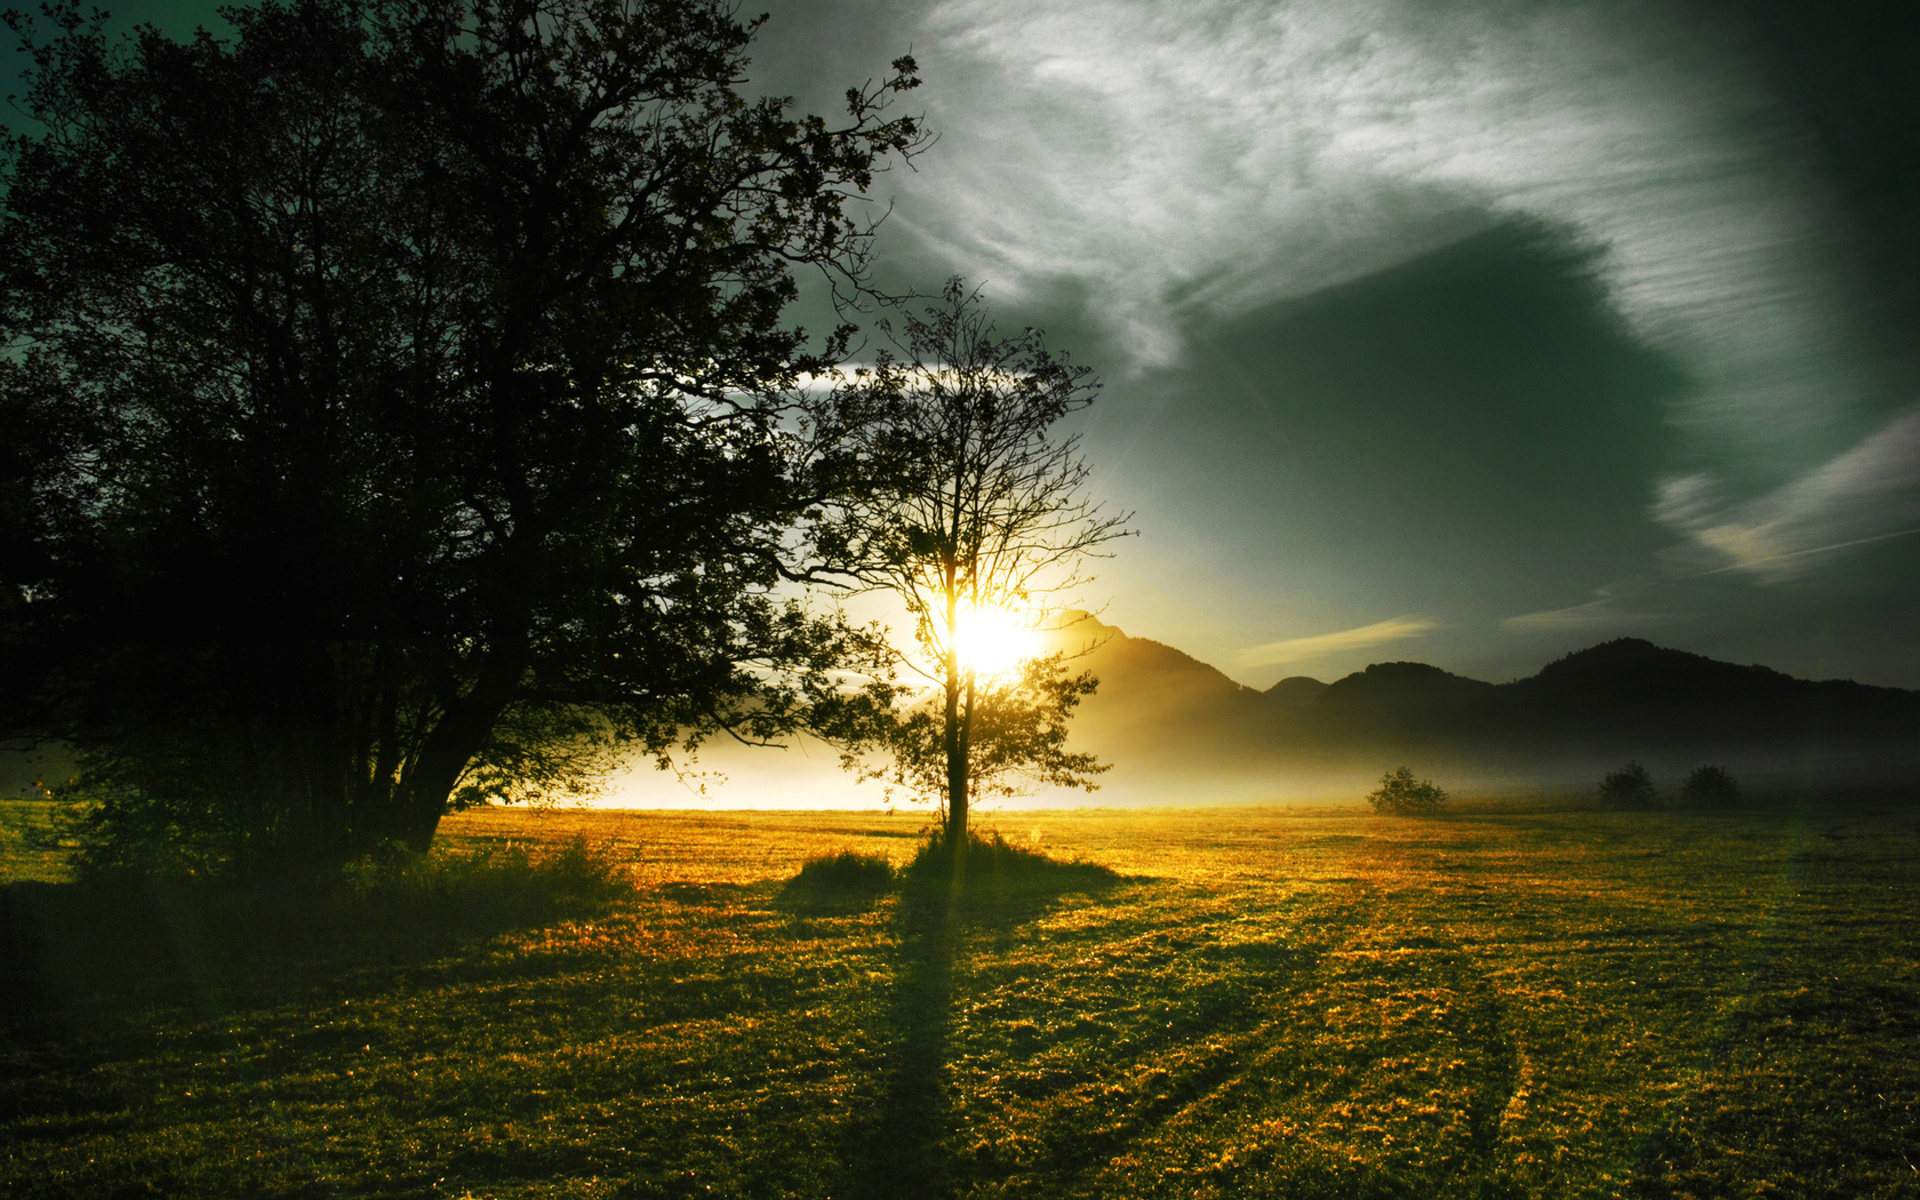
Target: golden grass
1279	1003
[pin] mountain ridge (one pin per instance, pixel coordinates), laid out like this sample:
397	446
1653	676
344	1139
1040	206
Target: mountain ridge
1161	713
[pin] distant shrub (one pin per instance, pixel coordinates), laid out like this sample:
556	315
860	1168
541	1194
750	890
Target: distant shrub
1401	793
1629	787
1710	787
843	874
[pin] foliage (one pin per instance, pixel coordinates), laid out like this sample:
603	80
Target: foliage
1400	793
34	842
1710	787
397	411
1629	787
985	512
1015	735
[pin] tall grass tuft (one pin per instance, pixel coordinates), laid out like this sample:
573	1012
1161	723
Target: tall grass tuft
495	886
994	866
842	877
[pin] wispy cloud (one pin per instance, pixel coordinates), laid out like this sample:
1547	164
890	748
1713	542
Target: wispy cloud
1595	616
1183	157
1293	650
1867	495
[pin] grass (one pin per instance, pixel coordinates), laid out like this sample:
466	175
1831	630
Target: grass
1499	1002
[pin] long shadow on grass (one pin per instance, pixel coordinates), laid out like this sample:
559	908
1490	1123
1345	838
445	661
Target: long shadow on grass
903	1151
85	959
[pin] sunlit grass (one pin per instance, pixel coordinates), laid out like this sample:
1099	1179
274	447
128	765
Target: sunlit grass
1273	1003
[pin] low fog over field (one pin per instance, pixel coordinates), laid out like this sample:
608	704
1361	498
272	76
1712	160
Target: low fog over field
1176	730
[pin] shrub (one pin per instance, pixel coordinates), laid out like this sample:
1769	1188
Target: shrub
997	866
1400	792
1629	787
1710	787
843	875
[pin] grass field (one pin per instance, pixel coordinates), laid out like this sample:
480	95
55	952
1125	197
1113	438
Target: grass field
1273	1003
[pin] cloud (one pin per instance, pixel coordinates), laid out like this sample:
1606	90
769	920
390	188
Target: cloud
1294	650
1186	159
1595	615
1869	494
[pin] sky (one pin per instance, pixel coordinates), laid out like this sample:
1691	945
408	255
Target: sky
1471	332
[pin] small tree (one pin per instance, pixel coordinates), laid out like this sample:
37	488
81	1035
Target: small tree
1402	794
1629	787
1710	787
985	519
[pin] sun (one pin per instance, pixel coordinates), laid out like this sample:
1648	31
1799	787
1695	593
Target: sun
993	640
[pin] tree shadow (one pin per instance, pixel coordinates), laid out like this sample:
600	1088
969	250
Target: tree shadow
94	958
904	1149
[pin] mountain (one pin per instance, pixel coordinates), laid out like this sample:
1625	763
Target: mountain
1177	729
1156	705
1295	691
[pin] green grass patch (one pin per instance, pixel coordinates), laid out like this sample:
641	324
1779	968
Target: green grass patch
1271	1003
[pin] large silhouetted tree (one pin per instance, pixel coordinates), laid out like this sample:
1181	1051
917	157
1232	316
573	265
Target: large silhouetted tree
399	402
987	514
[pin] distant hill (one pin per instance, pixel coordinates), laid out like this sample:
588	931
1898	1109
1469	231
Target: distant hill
1179	731
1295	690
1177	728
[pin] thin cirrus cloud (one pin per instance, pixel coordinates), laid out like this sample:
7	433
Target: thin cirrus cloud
1185	159
1867	495
1294	650
1595	616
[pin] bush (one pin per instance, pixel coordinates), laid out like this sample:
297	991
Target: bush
842	875
1710	787
997	866
1401	793
1629	787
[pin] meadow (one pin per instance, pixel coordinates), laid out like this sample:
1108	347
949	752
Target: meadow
1510	1000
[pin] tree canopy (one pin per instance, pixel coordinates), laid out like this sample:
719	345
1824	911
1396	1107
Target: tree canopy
1630	786
398	404
1402	793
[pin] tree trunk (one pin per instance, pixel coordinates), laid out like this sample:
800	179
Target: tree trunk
955	744
459	735
956	769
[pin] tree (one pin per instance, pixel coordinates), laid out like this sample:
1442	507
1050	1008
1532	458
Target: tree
1629	787
1710	787
1402	794
984	521
409	407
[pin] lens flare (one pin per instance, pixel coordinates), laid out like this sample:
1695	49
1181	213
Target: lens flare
993	641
